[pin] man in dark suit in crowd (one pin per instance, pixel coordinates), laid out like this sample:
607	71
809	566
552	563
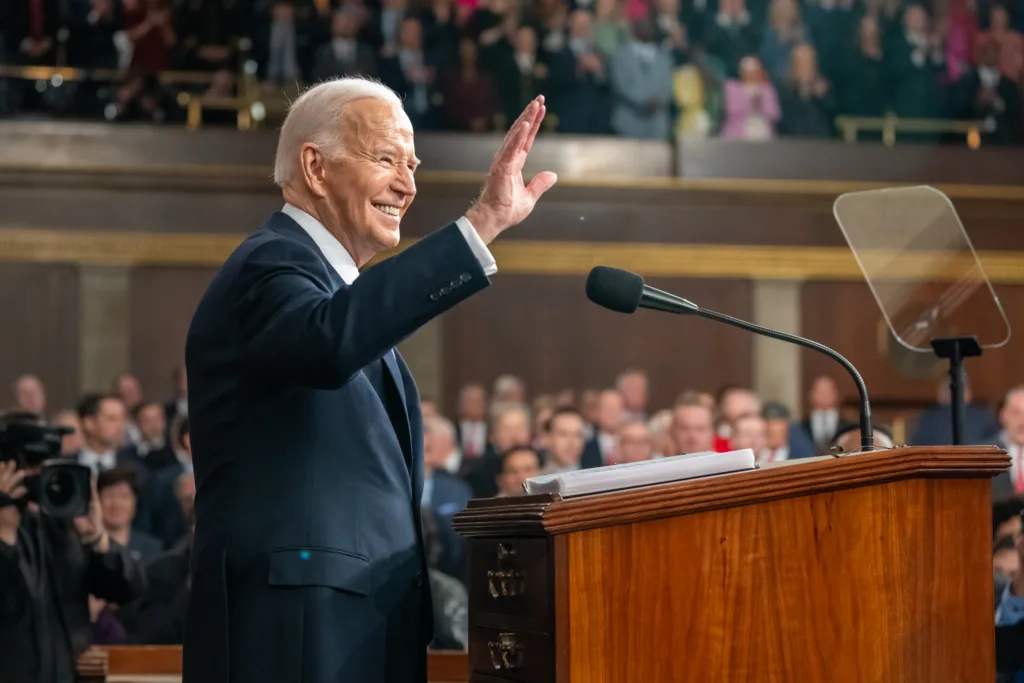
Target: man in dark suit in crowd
935	425
307	436
824	420
443	493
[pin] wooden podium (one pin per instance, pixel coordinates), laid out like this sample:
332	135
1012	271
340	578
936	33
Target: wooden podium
871	567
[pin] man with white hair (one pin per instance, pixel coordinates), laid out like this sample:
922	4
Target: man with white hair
306	429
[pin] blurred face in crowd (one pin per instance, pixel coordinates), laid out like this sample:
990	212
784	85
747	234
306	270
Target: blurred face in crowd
70	443
737	403
411	35
428	408
565	442
692	431
609	413
633	388
118	504
517	467
915	20
105	429
152	422
590	404
777	433
1012	416
824	394
526	41
30	395
805	63
999	18
1006	562
512	428
130	390
750	432
609	9
580	25
438	443
870	39
344	25
751	71
784	13
634	442
467	52
472	403
509	389
1011	527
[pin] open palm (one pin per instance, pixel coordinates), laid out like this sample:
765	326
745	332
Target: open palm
505	199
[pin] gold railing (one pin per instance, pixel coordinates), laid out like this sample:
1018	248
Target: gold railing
63	74
890	124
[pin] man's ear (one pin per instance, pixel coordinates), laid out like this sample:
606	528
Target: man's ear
312	163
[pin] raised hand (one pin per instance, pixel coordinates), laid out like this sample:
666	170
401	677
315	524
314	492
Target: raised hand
505	199
10	490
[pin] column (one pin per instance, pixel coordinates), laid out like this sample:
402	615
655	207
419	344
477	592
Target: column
777	369
103	325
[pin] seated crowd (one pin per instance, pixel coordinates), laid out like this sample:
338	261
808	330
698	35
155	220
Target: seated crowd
742	69
141	452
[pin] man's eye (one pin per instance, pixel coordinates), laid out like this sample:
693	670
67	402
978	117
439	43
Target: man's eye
387	159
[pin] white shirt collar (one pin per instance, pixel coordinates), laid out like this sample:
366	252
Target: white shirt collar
343	263
97	462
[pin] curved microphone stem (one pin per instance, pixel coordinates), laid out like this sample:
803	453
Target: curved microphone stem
867	439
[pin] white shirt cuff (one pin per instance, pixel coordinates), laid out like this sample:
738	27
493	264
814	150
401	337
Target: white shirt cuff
477	246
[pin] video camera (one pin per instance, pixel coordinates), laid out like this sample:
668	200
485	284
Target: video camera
62	487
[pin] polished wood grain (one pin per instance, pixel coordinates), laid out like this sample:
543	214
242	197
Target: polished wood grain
773	482
887	583
160	660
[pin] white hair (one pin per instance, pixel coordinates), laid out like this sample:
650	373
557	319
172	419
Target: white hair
439	425
314	117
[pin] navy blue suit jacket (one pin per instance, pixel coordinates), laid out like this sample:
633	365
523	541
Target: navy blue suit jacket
308	563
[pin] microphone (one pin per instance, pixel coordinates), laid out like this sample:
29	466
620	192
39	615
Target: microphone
624	292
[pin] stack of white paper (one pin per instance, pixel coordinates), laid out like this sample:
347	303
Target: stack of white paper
644	473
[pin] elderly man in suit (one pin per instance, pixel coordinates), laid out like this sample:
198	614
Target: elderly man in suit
306	429
641	84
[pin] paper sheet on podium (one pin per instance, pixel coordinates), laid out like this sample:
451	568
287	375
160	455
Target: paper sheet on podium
644	473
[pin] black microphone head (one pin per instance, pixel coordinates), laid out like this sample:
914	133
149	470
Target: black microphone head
615	289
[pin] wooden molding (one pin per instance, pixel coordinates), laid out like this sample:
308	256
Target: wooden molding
521	257
554	515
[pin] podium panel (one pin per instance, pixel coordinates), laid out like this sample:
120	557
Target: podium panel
870	567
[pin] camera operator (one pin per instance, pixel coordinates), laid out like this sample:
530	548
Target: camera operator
49	565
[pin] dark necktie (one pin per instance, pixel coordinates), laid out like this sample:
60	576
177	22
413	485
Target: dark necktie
384	385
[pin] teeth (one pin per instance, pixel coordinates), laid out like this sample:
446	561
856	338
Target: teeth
389	210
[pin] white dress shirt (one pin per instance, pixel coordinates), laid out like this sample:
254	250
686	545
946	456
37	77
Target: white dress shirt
474	437
97	462
824	424
345	266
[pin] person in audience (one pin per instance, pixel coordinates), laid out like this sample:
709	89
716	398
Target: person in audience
935	425
128	387
733	403
590	405
542	426
632	386
693	429
808	104
385	29
731	35
509	427
177	407
519	68
443	494
750	431
785	30
862	88
32	31
1011	419
158	616
1006	518
151	448
119	496
442	35
579	80
470	96
71	443
447	593
149	26
698	96
92	25
670	31
1008	43
283	39
167	519
823	420
961	20
344	54
565	443
785	441
832	25
603	447
471	412
914	62
518	464
634	441
103	418
29	395
509	390
210	29
1005	560
641	86
659	431
751	104
410	74
988	95
611	29
106	627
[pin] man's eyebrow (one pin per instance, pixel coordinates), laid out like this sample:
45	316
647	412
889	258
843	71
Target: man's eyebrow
416	160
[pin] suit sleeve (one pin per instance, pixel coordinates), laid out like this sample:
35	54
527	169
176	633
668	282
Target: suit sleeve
295	330
115	575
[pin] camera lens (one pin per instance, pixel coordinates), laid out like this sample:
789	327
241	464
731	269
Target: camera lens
60	488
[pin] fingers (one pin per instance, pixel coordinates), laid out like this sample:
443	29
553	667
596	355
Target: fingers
538	118
541	183
519	134
18	492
